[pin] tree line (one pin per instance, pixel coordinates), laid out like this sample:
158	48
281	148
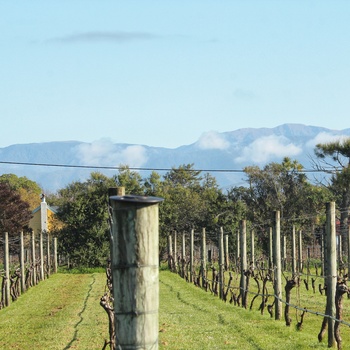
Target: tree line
192	200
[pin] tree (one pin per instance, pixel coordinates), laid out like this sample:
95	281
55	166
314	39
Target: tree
279	186
339	152
14	212
83	208
28	190
131	180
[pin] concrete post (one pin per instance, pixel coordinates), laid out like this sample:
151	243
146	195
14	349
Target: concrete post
203	258
55	262
243	240
135	270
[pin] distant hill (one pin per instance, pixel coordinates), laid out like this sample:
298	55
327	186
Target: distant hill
230	150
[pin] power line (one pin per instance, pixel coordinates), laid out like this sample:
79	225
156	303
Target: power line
143	168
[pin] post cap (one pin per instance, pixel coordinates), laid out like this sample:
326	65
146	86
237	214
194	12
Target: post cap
137	199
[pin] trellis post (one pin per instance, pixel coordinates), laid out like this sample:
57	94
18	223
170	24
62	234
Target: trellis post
175	249
294	259
22	265
48	252
41	252
227	257
191	255
55	261
135	270
300	245
33	259
221	263
243	240
270	247
170	253
203	258
277	265
7	269
348	242
331	277
252	248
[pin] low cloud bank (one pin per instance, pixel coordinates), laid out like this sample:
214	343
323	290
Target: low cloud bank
268	147
105	153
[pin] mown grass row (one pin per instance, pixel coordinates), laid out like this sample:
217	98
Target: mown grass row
63	312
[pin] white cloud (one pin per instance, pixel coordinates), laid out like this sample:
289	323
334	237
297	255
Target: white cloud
265	148
105	153
324	137
212	140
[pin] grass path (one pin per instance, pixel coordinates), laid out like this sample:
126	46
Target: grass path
62	312
191	318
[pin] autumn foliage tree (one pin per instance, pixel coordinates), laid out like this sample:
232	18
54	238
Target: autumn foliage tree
14	212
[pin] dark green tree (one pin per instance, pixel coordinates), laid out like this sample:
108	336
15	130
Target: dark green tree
84	211
334	158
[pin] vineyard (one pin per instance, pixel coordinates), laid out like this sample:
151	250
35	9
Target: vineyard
272	284
27	260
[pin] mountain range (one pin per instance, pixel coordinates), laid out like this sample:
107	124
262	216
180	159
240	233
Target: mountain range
53	165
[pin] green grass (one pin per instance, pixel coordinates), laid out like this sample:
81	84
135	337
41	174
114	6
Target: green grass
191	318
63	312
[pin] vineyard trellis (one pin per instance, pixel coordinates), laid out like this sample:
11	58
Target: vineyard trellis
26	260
207	262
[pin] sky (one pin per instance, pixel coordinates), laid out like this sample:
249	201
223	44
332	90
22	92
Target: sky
166	72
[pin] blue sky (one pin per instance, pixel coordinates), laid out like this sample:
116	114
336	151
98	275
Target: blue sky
163	73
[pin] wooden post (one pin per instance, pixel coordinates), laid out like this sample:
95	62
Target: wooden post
55	263
135	270
277	265
175	249
227	258
284	251
191	255
294	258
203	258
243	240
238	246
183	251
48	252
221	263
300	245
170	253
271	257
331	278
22	264
252	248
41	251
33	259
348	242
7	269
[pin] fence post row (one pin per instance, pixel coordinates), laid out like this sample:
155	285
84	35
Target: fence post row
330	252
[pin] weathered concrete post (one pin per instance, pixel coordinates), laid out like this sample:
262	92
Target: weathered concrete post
227	257
277	265
22	265
7	269
135	270
170	253
331	278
